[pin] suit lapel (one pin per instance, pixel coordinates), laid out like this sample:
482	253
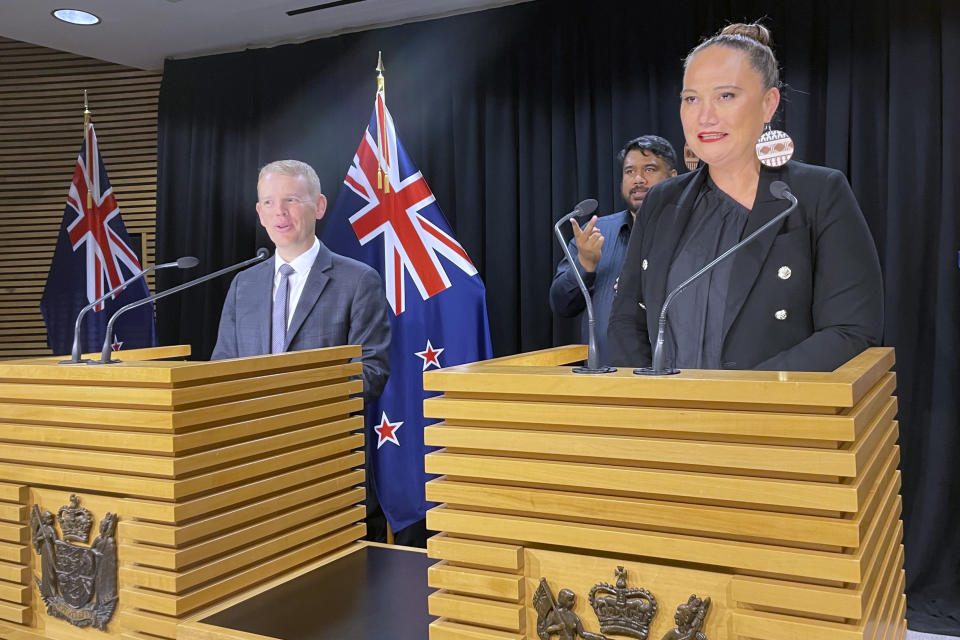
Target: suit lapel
260	314
316	282
670	226
748	260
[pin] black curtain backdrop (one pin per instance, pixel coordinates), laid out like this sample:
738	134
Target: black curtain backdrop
515	114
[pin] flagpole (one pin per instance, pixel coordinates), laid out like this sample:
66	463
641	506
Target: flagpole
86	133
381	125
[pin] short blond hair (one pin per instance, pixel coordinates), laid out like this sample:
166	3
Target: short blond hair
294	168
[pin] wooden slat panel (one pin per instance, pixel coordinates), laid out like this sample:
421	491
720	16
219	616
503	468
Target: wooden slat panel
702	486
148	622
14	612
493	555
18	593
662	515
13	493
180	582
627	449
41	131
226	498
502	615
821	392
10	532
18	573
772	626
478	582
270	464
259	446
444	629
784	561
13	512
19	633
177	536
615	419
181	605
176	559
140	419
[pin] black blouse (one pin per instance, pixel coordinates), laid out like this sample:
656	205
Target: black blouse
695	320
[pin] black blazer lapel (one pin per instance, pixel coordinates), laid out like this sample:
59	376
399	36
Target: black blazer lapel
670	226
316	282
748	260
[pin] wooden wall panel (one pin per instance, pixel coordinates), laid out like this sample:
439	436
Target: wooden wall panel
41	130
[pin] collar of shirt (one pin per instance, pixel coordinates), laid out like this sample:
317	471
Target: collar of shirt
627	221
301	269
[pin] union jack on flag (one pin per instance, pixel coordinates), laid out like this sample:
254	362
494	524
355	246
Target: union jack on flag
387	217
92	256
412	244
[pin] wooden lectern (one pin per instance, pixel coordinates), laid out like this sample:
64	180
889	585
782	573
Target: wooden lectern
218	475
726	505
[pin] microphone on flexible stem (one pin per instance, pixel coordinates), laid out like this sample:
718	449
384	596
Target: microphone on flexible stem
779	190
186	262
593	358
108	338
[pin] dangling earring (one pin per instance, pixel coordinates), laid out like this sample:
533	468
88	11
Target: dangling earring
774	148
690	159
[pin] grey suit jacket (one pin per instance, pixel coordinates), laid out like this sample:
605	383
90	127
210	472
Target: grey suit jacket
342	303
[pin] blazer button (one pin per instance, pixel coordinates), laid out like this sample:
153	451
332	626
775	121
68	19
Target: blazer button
643	265
784	272
781	314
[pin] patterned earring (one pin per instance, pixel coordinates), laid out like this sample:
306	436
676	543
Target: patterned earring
690	159
774	148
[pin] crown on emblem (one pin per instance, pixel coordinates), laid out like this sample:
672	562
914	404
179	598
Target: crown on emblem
75	521
621	610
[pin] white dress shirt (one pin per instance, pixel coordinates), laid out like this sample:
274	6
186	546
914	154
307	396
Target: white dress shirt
301	269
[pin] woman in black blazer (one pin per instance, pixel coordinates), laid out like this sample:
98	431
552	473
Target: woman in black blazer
806	295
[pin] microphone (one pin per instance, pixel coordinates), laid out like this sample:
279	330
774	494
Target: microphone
108	338
186	262
779	190
593	359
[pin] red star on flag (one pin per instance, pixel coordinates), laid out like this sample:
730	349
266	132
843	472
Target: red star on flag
387	431
117	343
430	356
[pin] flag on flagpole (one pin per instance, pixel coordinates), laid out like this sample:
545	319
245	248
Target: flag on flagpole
387	217
93	256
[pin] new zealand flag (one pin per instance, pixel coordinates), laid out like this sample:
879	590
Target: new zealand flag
92	257
387	217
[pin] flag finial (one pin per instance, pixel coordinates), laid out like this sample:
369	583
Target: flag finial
86	111
86	127
381	133
379	71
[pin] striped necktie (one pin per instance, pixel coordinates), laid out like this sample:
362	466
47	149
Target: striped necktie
279	323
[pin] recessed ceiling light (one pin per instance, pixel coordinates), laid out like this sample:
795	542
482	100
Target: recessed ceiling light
75	16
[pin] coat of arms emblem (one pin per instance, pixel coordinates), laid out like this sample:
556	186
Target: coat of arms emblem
77	583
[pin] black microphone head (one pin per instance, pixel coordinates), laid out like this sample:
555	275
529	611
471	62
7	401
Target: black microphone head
779	189
187	262
263	253
586	207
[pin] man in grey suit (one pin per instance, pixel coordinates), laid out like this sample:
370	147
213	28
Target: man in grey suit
307	296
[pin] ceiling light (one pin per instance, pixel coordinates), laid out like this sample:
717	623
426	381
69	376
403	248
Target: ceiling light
75	16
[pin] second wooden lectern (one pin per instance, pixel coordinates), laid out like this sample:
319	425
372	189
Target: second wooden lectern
717	505
135	494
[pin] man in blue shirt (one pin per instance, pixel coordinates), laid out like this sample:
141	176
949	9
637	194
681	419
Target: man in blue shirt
599	248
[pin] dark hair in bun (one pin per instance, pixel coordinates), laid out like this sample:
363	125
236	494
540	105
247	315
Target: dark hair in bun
754	40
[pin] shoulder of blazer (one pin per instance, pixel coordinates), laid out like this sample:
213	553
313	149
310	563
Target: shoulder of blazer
807	179
255	272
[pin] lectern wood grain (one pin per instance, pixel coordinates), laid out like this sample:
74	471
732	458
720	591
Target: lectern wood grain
222	475
775	494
